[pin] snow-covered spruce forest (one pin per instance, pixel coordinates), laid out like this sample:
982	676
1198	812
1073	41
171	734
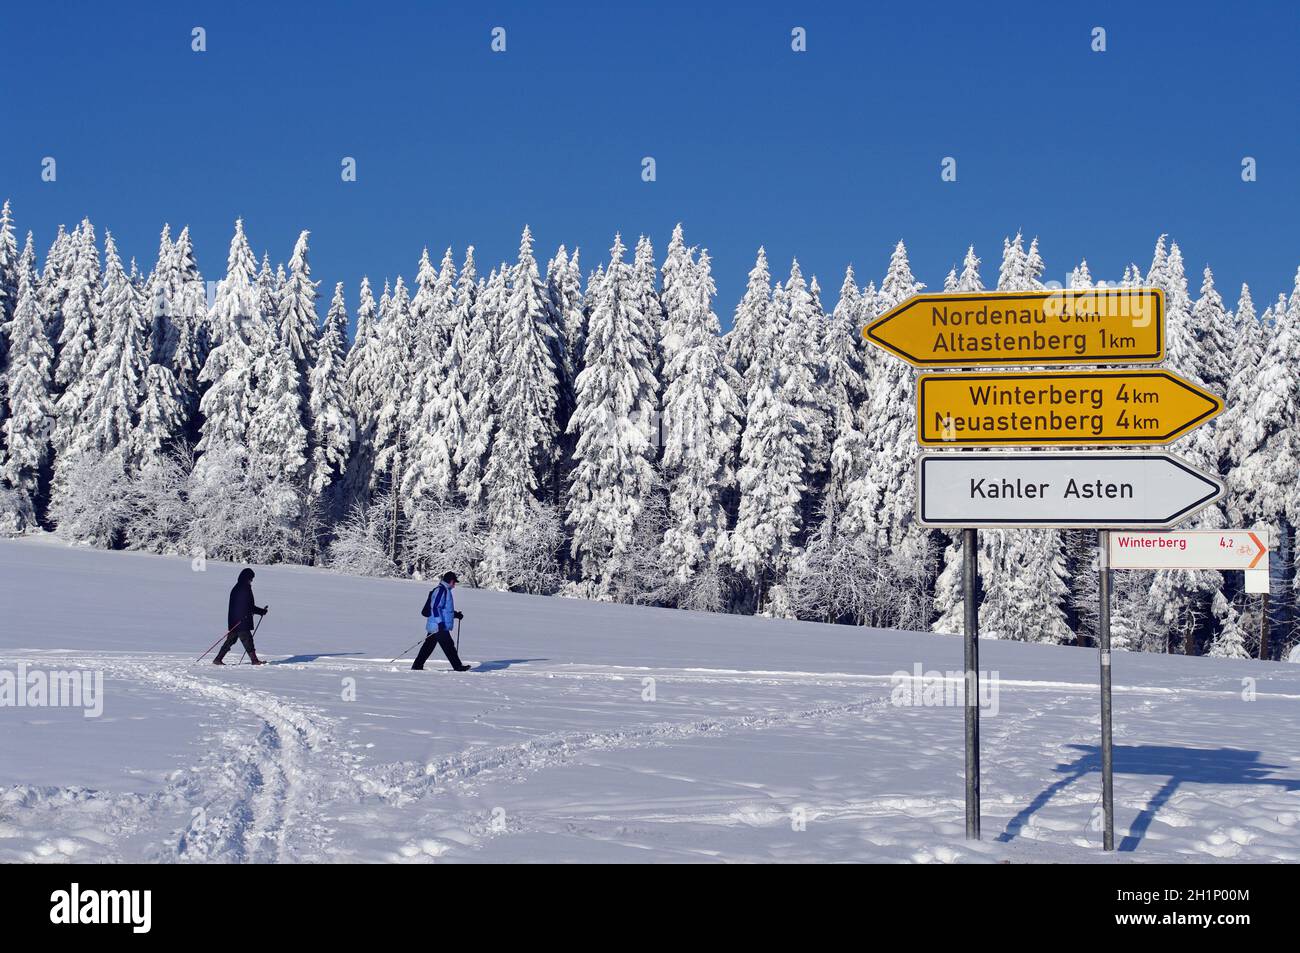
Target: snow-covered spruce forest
599	438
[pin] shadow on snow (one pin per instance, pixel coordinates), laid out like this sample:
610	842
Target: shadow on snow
301	659
1177	765
498	664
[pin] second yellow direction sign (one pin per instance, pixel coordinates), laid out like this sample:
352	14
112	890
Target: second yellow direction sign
1059	408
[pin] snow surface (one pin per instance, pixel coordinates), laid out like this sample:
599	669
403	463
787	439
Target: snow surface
548	752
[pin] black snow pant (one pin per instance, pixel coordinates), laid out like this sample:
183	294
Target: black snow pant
440	638
243	635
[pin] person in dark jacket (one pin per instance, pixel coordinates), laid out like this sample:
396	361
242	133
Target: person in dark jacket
240	619
440	608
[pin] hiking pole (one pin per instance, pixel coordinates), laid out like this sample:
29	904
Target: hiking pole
256	625
214	644
413	645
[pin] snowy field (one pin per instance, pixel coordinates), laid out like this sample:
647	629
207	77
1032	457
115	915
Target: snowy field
551	750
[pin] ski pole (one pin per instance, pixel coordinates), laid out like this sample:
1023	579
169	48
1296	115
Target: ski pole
413	645
214	644
458	636
256	626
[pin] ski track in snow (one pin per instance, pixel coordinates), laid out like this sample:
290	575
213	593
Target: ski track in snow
266	790
251	799
559	748
254	799
275	769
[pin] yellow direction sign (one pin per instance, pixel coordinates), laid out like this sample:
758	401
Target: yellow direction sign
1058	408
997	328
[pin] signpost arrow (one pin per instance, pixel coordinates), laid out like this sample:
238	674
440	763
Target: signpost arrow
1241	549
1090	326
1060	489
1070	408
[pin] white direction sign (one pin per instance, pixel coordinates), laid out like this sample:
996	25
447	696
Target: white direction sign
1241	549
1101	490
1191	549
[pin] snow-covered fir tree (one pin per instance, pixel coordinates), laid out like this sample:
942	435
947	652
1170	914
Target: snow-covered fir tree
297	313
1080	277
480	375
8	265
160	429
1023	587
774	452
124	347
701	431
1013	274
332	428
426	310
187	314
1264	455
396	343
456	384
269	285
564	287
1248	346
805	364
747	325
362	374
54	282
1184	601
1034	266
428	464
882	501
615	400
1168	274
969	279
73	374
520	467
29	399
158	297
277	439
1215	335
429	336
235	321
8	289
846	373
675	289
847	391
644	280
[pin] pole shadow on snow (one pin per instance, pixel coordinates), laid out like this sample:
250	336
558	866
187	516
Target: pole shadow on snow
301	659
498	664
1177	765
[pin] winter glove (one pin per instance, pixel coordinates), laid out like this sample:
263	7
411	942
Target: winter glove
261	611
458	615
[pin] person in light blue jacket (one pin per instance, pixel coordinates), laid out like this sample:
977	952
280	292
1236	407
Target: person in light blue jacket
440	610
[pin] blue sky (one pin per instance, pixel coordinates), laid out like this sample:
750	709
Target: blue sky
829	155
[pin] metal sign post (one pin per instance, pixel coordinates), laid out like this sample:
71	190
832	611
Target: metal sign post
1103	643
971	638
